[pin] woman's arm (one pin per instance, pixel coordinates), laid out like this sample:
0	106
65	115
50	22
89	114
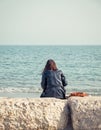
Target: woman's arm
44	82
64	82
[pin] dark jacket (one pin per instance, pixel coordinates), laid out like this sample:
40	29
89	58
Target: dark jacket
53	83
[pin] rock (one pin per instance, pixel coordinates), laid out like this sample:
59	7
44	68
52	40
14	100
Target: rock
85	113
33	114
76	113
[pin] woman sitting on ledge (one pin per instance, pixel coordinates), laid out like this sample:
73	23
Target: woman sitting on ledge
53	81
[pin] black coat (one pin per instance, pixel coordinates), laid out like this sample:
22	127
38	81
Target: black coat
53	83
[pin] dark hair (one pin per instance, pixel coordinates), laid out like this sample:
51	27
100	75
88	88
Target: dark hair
50	65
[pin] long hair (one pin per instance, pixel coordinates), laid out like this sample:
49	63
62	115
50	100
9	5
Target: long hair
50	65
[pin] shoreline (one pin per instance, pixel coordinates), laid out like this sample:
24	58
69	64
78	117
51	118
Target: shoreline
31	95
19	95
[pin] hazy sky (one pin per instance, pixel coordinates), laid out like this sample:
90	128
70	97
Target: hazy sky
50	22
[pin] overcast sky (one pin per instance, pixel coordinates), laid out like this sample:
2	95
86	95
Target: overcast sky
50	22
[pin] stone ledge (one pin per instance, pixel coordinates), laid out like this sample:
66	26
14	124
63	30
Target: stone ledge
33	114
85	113
76	113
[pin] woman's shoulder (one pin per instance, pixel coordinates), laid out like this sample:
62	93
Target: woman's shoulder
52	71
46	72
59	71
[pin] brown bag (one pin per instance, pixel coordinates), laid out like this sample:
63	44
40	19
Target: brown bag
80	94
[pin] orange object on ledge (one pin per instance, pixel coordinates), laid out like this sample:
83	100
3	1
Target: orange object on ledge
80	94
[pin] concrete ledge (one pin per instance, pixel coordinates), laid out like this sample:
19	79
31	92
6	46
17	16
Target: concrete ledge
85	113
33	114
76	113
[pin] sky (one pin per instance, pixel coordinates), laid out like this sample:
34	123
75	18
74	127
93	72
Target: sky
54	22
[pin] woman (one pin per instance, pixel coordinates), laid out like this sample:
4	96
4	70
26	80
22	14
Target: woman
53	81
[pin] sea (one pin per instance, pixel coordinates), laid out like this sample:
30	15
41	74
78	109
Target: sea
21	69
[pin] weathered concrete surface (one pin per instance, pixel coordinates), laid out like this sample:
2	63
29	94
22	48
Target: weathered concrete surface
85	113
33	114
76	113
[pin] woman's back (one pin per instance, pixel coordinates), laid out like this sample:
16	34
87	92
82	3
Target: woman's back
53	78
53	81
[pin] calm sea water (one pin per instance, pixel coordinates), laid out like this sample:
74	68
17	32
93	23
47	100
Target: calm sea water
21	68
